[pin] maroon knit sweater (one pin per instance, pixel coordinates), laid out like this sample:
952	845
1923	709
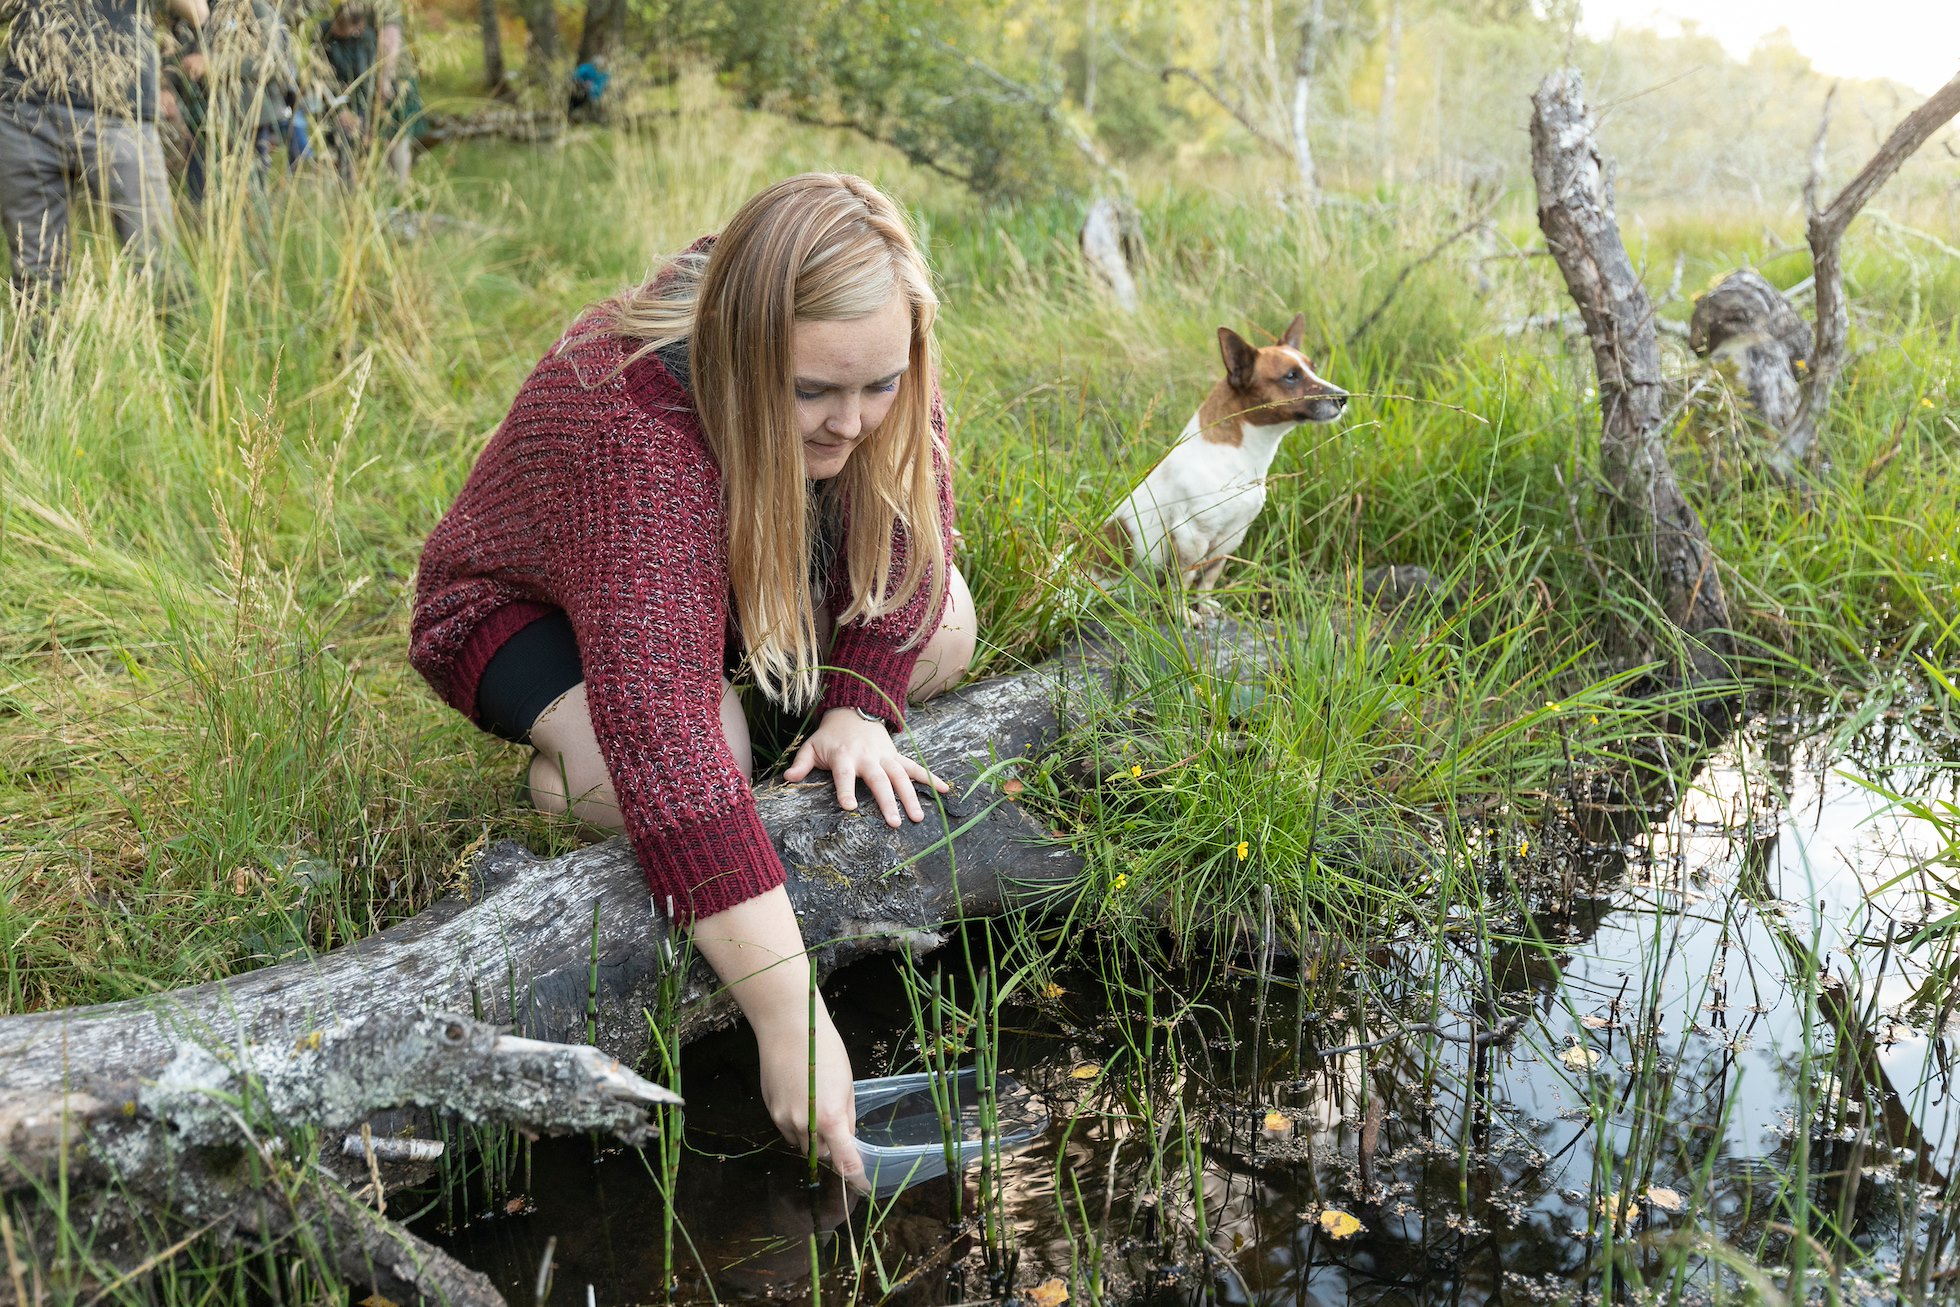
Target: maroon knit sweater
598	495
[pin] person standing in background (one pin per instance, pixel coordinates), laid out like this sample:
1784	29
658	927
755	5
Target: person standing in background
251	54
78	108
364	45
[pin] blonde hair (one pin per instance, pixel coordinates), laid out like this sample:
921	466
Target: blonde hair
820	247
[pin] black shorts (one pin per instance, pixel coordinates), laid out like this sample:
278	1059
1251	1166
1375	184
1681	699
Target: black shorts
541	662
526	675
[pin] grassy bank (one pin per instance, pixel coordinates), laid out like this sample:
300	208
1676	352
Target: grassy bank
213	753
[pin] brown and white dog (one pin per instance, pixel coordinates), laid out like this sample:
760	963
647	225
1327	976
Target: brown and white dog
1196	505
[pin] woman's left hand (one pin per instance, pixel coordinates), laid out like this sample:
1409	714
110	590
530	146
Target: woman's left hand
853	749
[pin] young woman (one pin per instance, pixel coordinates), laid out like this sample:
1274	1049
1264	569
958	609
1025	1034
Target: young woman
738	470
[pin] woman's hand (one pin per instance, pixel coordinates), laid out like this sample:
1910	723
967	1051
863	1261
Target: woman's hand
853	749
787	1051
756	947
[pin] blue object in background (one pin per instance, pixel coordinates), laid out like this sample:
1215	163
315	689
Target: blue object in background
593	79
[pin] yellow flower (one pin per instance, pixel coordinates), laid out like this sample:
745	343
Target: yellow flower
1136	770
1552	705
1245	850
1802	366
1524	847
1925	402
1122	879
1594	719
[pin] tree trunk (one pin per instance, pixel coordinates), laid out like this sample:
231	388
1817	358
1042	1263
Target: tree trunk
595	32
1303	70
494	81
541	18
1575	211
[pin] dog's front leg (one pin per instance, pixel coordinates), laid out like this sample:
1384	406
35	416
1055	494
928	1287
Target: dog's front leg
1201	577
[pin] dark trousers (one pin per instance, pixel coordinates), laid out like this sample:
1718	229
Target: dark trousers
50	154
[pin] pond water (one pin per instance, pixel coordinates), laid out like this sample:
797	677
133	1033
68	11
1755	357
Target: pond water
1679	1049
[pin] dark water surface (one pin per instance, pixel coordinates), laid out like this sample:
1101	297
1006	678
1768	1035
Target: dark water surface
1716	1016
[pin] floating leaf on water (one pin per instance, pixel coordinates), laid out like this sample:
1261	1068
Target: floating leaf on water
1663	1199
1278	1123
1578	1057
1339	1224
1623	1212
1086	1071
1596	1023
1049	1293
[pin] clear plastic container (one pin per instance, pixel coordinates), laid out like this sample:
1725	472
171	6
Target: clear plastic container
900	1136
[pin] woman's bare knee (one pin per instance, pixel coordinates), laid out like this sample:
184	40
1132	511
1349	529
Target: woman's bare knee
568	773
943	663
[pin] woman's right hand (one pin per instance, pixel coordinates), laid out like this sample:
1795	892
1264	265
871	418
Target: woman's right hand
756	947
786	1056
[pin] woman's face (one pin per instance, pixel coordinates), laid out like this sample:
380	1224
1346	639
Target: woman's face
847	374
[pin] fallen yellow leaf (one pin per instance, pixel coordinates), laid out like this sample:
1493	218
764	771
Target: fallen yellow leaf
1049	1293
1339	1224
1578	1057
1278	1123
1667	1200
1622	1212
1086	1071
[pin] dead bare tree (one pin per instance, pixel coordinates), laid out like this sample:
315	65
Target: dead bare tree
1575	211
1789	371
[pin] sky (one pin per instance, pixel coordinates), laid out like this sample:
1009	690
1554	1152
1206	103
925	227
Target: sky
1916	42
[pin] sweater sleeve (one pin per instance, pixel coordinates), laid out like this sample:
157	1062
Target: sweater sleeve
873	659
639	574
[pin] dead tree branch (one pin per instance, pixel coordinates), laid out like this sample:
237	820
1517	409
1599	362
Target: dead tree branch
1825	230
1431	255
1230	106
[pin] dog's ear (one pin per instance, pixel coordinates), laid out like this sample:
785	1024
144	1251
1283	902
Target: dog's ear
1240	358
1296	331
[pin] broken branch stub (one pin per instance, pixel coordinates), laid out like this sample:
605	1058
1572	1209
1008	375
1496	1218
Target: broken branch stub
1746	324
1575	211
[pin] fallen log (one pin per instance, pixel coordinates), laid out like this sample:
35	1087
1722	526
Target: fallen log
205	1144
572	949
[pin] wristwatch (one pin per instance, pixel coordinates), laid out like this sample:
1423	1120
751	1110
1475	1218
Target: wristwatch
869	716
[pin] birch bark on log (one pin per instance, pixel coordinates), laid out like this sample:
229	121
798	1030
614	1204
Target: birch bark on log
1575	211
